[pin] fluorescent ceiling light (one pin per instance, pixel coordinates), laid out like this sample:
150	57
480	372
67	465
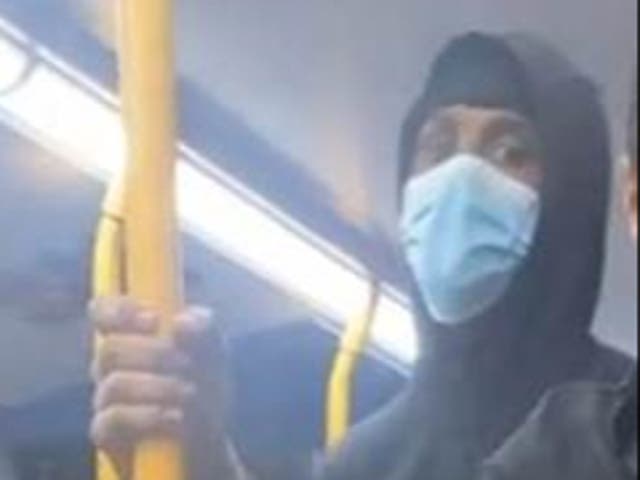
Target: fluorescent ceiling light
71	115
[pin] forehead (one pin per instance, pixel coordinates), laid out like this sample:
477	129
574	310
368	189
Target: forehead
476	120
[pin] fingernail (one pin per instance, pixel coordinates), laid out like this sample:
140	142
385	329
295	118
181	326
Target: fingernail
198	318
202	313
99	307
93	306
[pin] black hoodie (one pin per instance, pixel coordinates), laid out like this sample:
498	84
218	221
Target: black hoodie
474	385
583	431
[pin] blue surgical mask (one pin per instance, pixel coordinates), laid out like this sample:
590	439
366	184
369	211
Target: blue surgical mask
466	230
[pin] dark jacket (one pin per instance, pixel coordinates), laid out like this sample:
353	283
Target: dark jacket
476	384
579	432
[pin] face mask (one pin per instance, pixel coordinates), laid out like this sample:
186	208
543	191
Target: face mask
466	229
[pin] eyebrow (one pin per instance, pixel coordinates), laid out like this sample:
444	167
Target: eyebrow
437	126
508	125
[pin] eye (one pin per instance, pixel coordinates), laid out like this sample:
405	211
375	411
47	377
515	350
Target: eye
514	153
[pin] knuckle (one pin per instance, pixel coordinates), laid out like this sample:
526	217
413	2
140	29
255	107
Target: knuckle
106	427
116	387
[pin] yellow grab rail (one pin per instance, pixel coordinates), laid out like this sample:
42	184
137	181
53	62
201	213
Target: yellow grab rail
340	391
136	250
108	272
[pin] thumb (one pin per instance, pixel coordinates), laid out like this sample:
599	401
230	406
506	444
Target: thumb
199	335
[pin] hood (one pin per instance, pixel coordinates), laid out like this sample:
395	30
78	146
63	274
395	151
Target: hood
475	383
552	300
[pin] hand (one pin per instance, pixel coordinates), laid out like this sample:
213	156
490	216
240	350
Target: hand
148	386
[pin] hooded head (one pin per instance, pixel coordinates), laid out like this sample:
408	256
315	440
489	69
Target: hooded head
487	88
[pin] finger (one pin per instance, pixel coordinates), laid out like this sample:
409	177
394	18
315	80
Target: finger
142	389
138	354
199	335
122	315
193	324
119	427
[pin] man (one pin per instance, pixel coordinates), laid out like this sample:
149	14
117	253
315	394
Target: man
584	431
505	172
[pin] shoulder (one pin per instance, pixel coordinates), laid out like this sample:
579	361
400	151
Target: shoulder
576	405
568	422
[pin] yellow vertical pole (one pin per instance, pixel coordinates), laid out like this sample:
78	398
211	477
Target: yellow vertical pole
340	390
136	248
150	237
108	279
